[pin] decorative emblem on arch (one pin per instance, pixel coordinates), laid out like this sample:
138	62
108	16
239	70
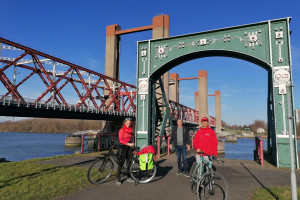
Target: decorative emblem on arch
161	51
250	39
254	39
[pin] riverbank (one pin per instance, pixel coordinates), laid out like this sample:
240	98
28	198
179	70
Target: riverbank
43	125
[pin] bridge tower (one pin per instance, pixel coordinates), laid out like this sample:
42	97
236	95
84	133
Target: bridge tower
217	96
160	29
203	94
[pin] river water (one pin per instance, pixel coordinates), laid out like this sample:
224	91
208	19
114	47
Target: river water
23	146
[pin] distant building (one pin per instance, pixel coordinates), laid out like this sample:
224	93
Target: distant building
260	130
297	115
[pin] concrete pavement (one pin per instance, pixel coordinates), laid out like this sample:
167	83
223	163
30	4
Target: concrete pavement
243	178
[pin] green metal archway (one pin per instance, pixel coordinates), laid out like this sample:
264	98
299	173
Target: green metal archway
266	44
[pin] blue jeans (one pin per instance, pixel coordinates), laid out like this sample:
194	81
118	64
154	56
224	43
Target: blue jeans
181	152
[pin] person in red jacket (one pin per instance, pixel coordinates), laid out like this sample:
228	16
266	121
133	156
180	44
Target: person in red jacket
125	151
205	140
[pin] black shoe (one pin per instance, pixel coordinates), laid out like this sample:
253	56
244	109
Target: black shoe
179	172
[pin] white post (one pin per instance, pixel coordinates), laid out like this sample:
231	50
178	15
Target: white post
53	78
292	153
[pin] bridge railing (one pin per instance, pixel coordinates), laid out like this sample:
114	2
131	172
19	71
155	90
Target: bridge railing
96	142
160	140
54	83
47	78
179	111
32	103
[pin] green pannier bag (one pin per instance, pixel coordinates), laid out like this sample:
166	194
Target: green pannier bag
146	161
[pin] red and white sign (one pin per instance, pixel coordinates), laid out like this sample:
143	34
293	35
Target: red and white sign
143	87
279	34
281	76
203	42
144	53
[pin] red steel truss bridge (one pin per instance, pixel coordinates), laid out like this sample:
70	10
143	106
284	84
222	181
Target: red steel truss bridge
36	84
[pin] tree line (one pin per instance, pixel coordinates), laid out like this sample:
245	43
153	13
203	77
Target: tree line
44	125
254	126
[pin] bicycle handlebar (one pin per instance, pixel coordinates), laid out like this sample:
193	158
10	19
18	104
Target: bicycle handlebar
212	157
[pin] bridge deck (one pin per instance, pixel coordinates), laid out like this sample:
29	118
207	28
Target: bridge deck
243	178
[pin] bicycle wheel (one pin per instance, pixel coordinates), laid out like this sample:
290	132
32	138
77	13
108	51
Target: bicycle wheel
194	174
99	171
141	176
212	186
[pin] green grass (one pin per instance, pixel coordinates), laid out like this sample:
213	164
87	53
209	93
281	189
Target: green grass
30	180
271	193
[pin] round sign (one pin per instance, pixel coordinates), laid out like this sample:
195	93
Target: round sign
143	86
281	76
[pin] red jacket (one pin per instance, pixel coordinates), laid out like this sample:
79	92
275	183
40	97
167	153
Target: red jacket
206	140
125	135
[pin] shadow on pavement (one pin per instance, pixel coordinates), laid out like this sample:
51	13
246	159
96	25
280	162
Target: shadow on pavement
161	171
262	185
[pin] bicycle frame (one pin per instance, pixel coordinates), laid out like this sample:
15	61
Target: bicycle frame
200	165
112	154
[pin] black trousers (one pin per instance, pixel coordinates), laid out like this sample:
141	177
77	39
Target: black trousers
124	153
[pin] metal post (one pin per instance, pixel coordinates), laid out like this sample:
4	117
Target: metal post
292	153
168	145
89	89
15	75
82	143
99	143
158	146
53	78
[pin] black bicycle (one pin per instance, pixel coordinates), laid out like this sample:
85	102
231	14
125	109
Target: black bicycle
103	167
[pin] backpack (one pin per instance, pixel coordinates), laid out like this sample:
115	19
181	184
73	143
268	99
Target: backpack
146	161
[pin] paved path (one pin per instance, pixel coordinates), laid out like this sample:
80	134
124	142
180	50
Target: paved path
243	178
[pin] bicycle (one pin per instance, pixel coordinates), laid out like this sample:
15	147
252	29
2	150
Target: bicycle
207	183
103	167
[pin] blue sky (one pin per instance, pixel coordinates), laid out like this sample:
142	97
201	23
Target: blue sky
75	31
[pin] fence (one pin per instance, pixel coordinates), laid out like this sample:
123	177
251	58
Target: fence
104	141
98	141
259	152
161	139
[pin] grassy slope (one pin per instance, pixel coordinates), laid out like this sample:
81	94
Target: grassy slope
29	180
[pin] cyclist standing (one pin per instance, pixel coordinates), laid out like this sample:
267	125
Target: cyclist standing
205	140
125	152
